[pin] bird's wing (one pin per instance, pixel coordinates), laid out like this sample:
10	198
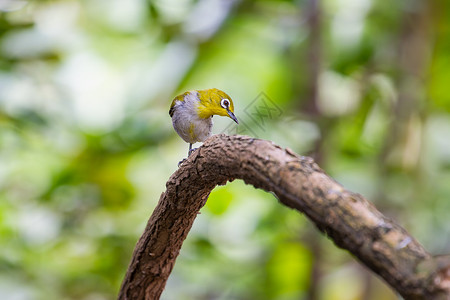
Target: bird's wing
177	98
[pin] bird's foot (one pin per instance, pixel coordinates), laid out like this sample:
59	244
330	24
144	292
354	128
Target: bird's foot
191	150
181	162
184	159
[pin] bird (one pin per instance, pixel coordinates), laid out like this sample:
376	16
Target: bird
192	113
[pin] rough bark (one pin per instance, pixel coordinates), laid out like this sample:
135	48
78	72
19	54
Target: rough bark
351	221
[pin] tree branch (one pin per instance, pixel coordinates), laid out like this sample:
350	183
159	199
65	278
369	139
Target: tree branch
351	221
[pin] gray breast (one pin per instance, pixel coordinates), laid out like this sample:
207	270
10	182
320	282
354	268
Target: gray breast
188	125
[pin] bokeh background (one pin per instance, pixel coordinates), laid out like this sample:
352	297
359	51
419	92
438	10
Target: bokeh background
86	142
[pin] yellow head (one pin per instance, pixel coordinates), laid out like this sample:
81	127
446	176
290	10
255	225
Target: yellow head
215	102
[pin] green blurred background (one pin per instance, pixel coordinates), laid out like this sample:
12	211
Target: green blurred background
87	144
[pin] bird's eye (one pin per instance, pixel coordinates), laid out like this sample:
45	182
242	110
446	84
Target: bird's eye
225	103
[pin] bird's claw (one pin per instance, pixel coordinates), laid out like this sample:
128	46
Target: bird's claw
184	159
181	161
191	150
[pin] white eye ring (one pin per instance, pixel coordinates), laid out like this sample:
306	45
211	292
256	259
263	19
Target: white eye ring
225	103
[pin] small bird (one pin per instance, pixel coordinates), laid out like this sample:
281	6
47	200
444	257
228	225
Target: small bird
192	113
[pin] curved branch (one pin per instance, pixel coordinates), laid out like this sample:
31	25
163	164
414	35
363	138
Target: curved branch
351	221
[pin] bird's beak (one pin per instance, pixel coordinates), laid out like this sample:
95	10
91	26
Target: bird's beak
232	116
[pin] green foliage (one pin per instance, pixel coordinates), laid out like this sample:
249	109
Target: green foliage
288	271
86	143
